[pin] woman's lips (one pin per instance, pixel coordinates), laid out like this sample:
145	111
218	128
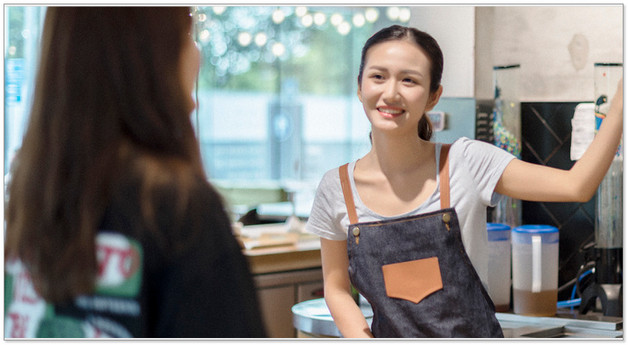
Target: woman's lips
390	112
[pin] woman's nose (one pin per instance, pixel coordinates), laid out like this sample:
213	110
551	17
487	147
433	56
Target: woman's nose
391	91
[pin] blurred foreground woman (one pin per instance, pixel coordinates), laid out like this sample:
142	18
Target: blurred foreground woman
112	227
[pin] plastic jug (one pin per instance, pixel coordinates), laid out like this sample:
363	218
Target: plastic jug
499	265
535	270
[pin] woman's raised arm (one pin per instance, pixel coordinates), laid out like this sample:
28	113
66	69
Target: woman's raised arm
532	182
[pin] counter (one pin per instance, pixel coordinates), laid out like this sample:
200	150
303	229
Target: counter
286	267
281	251
313	319
287	258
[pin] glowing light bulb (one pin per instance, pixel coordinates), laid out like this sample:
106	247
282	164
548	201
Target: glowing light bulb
204	36
336	19
307	20
245	38
278	16
219	9
392	13
278	49
300	11
261	39
359	20
344	28
320	19
371	14
404	15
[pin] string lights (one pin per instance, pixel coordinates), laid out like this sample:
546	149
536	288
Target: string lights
266	33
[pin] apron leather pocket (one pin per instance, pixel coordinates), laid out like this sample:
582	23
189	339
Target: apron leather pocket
412	280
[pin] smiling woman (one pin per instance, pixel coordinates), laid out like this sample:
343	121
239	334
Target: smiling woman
425	76
396	87
406	223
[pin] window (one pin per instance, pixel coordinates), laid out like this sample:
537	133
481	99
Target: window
22	35
277	88
276	92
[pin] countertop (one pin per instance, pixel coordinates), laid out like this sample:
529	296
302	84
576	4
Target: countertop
279	247
313	318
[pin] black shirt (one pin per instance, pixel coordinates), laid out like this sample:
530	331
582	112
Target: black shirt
181	275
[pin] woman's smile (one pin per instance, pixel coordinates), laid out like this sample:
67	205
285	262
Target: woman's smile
395	88
390	112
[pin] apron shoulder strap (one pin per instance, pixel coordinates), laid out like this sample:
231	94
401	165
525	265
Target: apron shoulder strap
444	176
348	195
444	184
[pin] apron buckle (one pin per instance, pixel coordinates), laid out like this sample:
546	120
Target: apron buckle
446	220
356	234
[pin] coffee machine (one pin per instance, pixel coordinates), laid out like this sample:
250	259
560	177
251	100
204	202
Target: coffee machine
605	290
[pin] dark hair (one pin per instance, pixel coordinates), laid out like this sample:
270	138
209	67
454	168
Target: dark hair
108	90
424	41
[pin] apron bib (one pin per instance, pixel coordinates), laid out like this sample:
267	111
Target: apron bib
415	272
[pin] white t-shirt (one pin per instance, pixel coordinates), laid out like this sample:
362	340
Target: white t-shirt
474	170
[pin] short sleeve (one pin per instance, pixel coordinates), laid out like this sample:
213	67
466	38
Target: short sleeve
486	164
328	209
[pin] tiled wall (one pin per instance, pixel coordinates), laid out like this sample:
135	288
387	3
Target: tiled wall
546	139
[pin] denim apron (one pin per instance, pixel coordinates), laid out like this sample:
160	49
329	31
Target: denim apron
415	272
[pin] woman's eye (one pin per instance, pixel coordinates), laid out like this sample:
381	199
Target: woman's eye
409	81
377	76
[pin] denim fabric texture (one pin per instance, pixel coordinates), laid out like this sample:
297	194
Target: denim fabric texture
461	309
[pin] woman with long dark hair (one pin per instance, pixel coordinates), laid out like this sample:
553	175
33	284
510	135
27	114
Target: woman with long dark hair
406	224
112	227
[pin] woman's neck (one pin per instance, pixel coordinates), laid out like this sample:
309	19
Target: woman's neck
397	154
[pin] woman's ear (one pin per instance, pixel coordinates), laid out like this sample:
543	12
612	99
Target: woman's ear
434	98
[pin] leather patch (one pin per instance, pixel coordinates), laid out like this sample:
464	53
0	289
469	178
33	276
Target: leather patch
412	280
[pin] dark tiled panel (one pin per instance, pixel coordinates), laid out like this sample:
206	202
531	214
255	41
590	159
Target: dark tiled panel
546	139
